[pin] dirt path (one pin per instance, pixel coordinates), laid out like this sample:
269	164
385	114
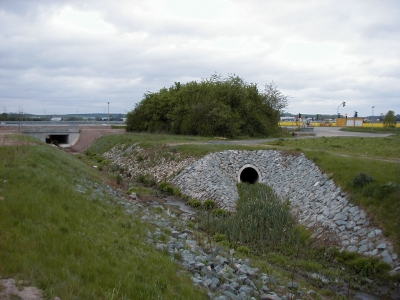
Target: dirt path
89	135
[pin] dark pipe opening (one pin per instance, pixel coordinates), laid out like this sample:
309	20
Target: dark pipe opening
249	175
57	139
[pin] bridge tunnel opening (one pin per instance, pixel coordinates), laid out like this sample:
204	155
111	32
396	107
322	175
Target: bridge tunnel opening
57	139
249	174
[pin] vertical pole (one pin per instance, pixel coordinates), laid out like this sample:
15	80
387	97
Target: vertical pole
108	119
373	117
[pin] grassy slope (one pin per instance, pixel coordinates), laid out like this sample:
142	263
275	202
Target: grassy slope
71	246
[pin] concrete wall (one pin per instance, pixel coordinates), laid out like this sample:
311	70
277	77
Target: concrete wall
42	132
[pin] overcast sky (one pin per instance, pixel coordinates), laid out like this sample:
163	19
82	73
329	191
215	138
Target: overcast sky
59	57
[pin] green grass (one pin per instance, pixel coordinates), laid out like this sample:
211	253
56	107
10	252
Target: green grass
105	143
376	147
72	242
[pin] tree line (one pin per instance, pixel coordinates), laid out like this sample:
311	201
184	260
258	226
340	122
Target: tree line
226	107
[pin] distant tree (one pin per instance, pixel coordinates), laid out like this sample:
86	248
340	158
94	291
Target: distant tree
274	97
390	119
74	118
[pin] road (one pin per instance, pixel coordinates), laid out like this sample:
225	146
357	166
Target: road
318	131
335	131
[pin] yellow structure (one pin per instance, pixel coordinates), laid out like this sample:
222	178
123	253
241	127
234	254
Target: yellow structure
350	122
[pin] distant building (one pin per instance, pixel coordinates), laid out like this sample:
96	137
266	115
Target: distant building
56	119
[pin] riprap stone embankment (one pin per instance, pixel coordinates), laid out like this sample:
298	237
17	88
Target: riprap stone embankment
314	198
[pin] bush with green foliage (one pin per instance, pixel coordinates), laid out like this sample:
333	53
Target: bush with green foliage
168	188
219	237
243	250
362	179
209	204
227	107
219	212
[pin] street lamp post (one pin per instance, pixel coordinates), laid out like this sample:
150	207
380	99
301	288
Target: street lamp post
372	117
108	118
344	104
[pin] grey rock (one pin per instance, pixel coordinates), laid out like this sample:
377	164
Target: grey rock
265	289
292	285
386	257
374	252
352	249
221	298
270	297
381	246
363	248
246	290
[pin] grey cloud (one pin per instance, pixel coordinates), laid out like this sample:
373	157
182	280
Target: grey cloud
64	72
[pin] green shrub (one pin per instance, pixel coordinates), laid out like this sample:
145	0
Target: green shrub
219	237
146	179
243	250
168	188
219	212
194	202
118	179
362	179
208	204
225	243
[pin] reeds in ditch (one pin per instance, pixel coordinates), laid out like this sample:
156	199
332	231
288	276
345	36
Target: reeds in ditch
261	221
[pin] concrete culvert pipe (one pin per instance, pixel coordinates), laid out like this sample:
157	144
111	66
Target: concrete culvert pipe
249	174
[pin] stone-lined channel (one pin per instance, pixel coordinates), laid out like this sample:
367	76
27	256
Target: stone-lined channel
314	198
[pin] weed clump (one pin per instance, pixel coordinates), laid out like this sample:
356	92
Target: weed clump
219	212
194	202
219	237
243	250
168	188
362	179
147	180
363	266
